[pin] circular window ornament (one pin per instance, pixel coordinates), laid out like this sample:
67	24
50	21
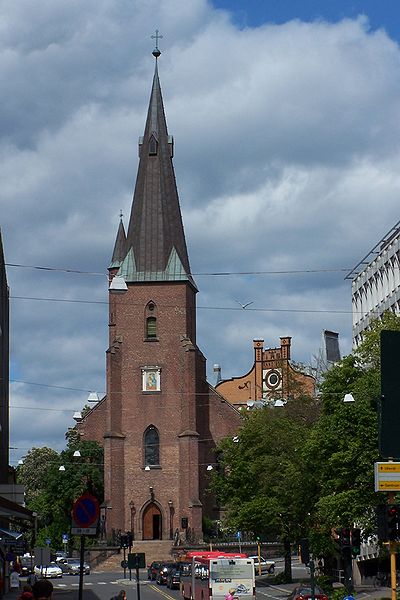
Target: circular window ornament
273	379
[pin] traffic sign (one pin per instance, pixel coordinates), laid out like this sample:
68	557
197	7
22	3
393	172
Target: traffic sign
124	564
85	515
387	476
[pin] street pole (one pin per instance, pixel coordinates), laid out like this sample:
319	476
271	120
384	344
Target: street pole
82	560
137	578
312	577
259	557
392	549
124	562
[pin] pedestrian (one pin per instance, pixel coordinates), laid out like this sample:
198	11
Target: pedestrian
42	590
27	593
31	579
14	579
120	596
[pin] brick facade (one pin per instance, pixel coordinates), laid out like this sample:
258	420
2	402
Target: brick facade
272	377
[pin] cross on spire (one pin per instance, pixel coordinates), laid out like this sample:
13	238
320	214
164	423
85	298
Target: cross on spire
157	36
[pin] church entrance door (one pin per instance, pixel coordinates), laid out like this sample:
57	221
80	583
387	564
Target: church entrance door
152	523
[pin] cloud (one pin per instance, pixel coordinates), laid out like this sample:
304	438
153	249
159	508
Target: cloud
286	158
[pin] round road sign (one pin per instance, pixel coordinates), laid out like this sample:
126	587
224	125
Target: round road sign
85	510
124	564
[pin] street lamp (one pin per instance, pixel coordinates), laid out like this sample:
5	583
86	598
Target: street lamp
348	398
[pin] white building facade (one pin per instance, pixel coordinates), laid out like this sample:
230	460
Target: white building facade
375	284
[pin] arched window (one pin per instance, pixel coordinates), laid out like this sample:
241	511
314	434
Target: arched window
150	322
151	447
151	327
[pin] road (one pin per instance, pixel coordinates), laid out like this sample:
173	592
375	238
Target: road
103	585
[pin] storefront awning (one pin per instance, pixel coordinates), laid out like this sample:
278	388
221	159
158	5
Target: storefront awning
12	535
12	509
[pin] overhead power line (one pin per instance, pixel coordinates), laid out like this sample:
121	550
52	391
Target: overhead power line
225	308
199	274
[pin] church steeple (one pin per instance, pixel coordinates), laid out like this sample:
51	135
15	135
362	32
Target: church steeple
155	242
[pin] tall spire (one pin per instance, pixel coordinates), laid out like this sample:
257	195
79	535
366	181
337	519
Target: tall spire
155	242
119	251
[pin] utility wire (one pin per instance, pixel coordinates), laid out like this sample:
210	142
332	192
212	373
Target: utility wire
199	274
225	308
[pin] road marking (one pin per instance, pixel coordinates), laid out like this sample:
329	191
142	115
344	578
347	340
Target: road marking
274	587
269	595
160	591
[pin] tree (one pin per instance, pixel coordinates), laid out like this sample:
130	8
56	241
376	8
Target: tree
309	468
260	478
51	492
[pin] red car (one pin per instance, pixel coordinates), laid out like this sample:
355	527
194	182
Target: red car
303	592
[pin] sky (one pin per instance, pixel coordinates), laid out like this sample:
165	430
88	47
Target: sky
286	121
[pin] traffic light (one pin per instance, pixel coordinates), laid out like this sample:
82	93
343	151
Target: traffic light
124	543
345	537
305	551
393	521
381	521
355	542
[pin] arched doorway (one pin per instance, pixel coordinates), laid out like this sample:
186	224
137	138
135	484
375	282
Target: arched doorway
152	522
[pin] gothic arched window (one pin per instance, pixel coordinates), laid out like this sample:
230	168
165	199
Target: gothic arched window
150	325
151	447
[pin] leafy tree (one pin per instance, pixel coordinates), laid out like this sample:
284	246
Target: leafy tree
260	479
309	467
51	492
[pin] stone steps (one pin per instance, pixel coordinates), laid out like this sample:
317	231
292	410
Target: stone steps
153	549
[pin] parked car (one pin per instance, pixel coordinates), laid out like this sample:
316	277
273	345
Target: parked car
71	566
303	592
173	579
152	569
267	565
163	570
48	571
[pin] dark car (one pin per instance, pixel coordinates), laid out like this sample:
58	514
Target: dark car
152	569
303	592
163	571
173	579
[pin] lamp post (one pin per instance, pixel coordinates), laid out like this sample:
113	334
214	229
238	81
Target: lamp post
133	513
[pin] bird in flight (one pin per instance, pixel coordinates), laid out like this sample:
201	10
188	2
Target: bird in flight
244	305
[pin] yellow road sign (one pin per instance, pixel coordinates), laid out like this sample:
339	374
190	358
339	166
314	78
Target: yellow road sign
389	467
388	486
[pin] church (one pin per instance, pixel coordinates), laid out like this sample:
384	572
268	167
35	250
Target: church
160	420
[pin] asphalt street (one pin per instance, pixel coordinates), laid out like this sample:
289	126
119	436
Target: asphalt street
103	585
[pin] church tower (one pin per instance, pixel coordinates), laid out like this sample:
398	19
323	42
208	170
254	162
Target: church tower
153	365
160	420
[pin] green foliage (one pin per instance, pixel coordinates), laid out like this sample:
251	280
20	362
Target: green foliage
51	492
308	468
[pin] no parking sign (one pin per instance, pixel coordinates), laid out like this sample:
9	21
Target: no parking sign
85	515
